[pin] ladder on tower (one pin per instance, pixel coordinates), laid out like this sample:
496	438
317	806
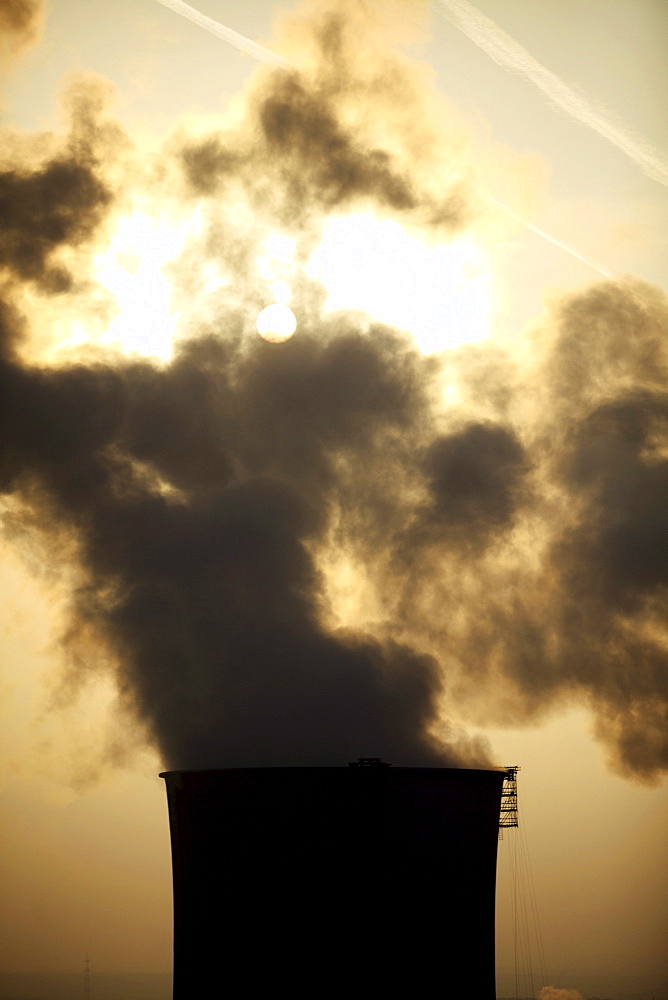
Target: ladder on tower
508	814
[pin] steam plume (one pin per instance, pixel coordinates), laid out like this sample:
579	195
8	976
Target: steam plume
300	554
54	198
505	51
259	52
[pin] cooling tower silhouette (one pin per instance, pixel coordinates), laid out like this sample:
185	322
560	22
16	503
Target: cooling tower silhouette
358	881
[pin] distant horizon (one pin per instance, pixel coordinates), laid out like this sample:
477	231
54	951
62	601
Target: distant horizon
592	986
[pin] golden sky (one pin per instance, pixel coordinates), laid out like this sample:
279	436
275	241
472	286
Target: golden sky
446	489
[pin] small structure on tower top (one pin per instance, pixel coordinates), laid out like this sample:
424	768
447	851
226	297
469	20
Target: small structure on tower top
508	815
368	762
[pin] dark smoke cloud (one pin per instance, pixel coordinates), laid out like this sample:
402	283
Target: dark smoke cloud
474	478
61	203
20	25
614	464
303	132
507	548
211	598
579	611
57	198
352	127
614	566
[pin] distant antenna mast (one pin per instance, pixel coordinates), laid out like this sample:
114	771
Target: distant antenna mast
86	978
508	815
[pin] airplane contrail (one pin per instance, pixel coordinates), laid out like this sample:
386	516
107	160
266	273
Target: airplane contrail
506	52
242	43
546	236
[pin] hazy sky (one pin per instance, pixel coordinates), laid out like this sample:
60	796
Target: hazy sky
447	489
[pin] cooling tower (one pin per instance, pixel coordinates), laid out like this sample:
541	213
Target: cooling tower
358	881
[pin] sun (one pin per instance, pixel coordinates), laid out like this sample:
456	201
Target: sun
276	323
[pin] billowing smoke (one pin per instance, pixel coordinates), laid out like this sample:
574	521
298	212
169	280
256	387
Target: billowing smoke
20	24
307	552
55	192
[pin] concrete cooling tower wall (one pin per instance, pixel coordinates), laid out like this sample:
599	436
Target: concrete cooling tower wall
358	881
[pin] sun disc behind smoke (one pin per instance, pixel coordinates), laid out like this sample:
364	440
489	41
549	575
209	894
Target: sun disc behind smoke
276	323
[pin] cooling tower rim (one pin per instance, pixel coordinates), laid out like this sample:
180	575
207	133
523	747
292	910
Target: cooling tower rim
496	769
